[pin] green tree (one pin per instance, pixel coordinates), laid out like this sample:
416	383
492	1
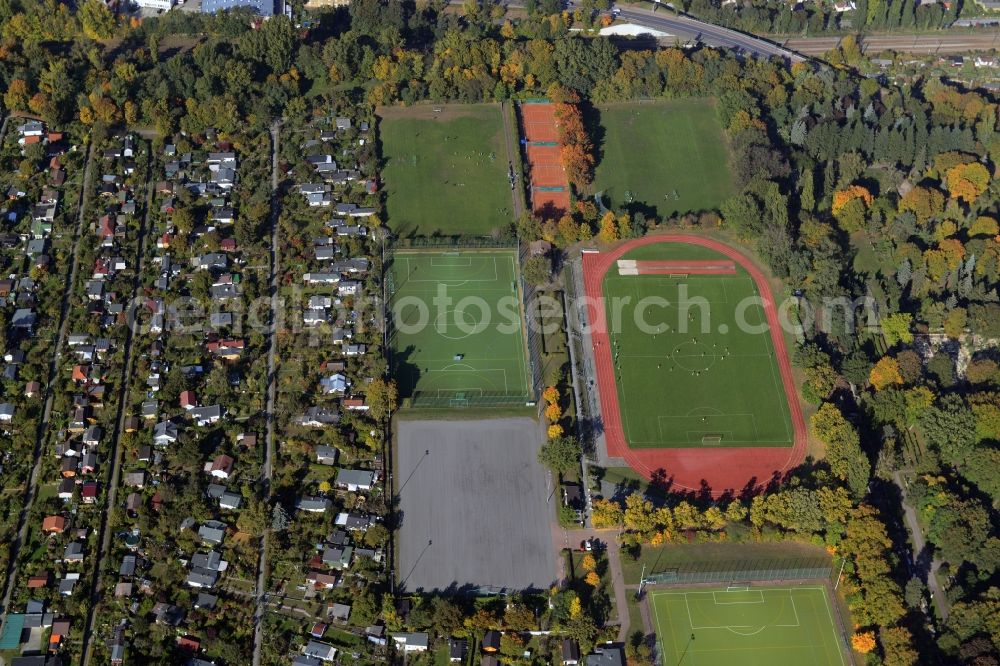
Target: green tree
843	447
896	328
561	454
538	270
381	396
96	19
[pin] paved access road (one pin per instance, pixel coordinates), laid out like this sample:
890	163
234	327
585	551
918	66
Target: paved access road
919	544
261	592
116	447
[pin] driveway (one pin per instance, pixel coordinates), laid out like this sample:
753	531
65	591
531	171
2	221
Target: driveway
920	546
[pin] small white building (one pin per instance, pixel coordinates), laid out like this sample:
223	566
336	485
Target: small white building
164	5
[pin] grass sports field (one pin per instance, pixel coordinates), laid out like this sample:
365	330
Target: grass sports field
445	172
470	346
693	372
746	625
682	166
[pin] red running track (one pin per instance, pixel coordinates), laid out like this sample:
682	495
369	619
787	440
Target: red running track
717	471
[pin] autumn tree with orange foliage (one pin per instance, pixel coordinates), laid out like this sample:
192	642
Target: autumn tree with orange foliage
863	642
885	373
842	197
577	151
608	232
924	202
967	181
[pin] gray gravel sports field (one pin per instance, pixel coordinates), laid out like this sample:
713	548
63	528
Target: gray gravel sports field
473	499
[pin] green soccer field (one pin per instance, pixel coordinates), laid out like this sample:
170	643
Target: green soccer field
746	625
699	370
445	172
682	165
468	349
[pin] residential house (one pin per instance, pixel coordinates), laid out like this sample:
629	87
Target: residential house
353	521
203	416
221	467
458	648
354	404
205	601
135	479
313	504
570	652
320	651
318	417
340	612
321	580
609	654
230	500
188	400
73	552
212	531
411	641
354	480
491	642
376	634
338	558
127	568
326	455
168	614
54	525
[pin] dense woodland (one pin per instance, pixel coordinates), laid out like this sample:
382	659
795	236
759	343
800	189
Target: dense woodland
847	190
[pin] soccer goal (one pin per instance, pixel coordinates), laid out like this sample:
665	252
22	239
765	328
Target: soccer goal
738	587
711	440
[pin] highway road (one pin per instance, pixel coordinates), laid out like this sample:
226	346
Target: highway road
688	29
797	49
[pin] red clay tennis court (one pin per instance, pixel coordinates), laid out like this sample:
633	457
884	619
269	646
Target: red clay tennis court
686	469
539	122
549	186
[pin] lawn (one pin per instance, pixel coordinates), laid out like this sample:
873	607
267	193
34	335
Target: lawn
748	625
445	172
663	158
457	331
699	368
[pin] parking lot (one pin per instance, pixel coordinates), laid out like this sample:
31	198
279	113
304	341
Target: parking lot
474	503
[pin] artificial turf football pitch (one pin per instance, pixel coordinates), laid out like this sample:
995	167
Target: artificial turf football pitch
469	349
701	369
748	625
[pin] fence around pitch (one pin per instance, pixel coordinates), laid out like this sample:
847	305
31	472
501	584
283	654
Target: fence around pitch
533	336
533	343
731	571
451	243
460	400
